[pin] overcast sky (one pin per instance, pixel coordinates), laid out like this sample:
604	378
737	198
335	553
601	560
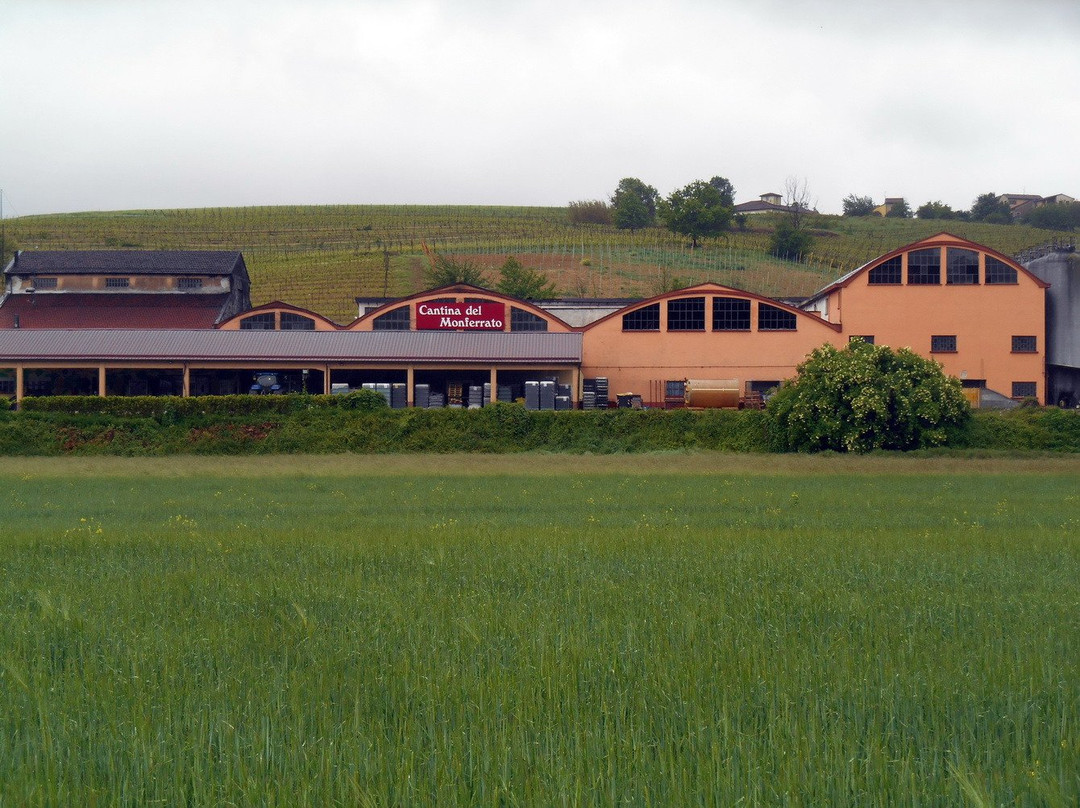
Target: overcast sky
129	104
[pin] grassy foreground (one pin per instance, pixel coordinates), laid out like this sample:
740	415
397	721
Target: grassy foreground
682	629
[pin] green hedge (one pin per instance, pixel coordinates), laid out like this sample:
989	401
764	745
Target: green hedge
328	424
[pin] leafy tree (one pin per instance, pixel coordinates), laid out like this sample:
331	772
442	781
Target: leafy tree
988	208
444	270
631	214
866	397
1060	216
858	205
936	210
699	210
590	211
900	210
790	241
634	204
523	282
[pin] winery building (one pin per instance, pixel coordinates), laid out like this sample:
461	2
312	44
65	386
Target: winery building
138	323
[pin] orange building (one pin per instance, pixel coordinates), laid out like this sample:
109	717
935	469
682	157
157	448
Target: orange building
977	312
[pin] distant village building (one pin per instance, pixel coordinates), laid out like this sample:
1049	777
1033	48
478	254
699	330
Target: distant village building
1022	204
889	203
766	203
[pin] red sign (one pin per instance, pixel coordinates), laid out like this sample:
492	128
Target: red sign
469	316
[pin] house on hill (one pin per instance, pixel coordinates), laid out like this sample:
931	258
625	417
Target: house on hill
766	203
1022	204
889	203
123	289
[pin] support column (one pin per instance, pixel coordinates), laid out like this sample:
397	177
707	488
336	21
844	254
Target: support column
20	382
326	380
494	386
101	381
575	386
186	392
410	386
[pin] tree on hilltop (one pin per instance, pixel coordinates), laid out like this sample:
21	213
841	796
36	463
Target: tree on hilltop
634	204
700	209
858	205
988	208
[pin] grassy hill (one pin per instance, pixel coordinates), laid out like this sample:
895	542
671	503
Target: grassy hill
322	257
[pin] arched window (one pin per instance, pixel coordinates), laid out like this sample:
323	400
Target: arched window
890	271
521	320
258	322
647	318
962	267
296	322
394	320
731	314
999	272
924	267
771	318
686	314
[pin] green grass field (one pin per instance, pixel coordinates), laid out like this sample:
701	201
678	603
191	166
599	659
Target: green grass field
669	629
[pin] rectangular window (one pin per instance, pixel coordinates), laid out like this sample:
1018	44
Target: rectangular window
686	314
674	390
1025	344
647	318
963	266
1024	389
867	338
998	272
943	343
189	283
117	283
44	283
730	314
924	267
889	272
771	318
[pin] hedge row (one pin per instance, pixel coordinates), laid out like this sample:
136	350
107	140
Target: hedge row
333	428
166	407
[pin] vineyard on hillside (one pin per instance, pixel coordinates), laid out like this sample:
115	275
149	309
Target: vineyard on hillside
323	257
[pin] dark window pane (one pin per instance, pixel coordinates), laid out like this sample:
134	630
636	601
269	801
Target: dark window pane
1023	389
646	318
924	266
117	283
963	266
867	338
394	320
730	314
771	318
44	283
296	322
258	322
999	272
943	343
686	314
1024	344
521	320
888	272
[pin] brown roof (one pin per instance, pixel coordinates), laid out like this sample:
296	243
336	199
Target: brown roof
133	262
112	310
293	346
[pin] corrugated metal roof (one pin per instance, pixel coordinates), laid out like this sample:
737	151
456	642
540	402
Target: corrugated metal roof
273	346
135	262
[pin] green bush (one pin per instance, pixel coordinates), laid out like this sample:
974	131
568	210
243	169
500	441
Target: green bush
864	398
